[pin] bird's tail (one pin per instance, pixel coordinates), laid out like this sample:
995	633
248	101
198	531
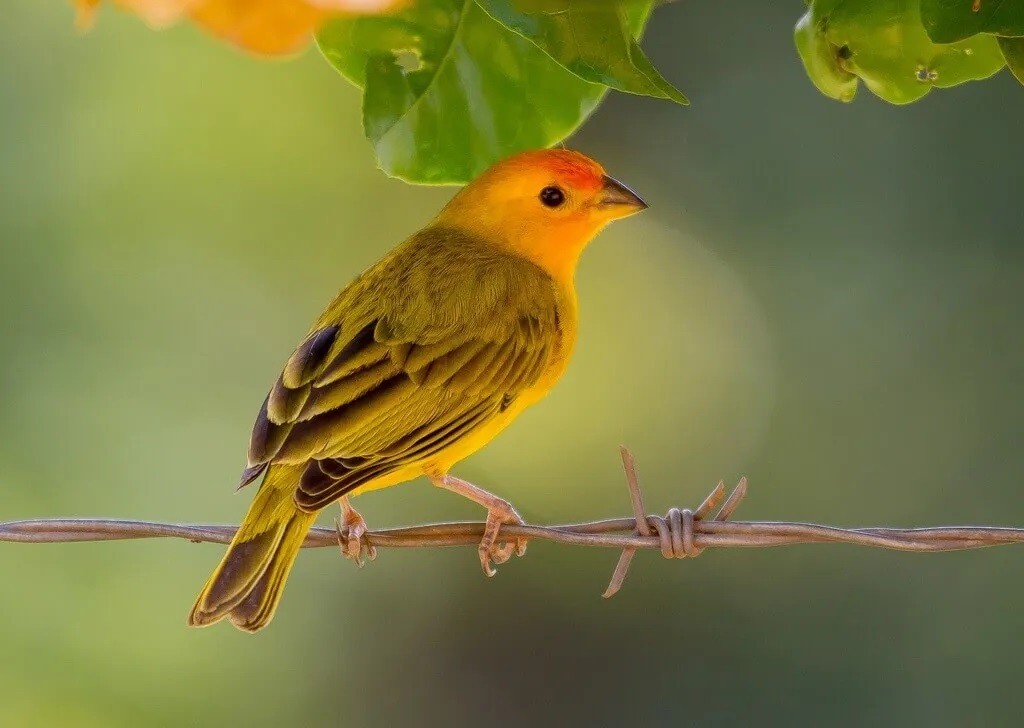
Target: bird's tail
247	584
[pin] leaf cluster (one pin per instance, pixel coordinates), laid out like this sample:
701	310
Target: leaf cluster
449	86
902	49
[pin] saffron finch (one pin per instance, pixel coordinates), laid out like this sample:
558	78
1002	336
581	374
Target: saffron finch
416	364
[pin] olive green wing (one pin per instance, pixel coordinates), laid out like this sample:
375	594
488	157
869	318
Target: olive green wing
396	384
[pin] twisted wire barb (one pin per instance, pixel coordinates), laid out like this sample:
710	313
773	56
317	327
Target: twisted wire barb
680	533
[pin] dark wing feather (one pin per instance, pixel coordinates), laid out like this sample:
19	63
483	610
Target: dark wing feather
358	352
309	357
406	362
324	481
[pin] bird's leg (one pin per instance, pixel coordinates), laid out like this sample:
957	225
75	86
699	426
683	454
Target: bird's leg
352	534
499	511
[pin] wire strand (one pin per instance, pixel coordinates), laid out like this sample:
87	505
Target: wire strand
680	533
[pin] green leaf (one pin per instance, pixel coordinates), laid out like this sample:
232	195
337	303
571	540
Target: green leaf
883	42
821	60
448	90
947	21
1013	52
592	40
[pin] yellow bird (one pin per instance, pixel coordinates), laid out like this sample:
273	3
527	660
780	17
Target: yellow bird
417	363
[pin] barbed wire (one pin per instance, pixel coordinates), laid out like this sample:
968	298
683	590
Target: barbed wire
680	533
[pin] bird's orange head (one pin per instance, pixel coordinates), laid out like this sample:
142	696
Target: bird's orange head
544	205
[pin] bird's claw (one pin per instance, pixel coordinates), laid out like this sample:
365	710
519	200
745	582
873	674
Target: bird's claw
499	511
492	552
352	540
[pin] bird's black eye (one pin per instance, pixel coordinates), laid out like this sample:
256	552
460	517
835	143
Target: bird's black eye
552	196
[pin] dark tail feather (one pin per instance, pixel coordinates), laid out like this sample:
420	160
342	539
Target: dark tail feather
257	609
247	585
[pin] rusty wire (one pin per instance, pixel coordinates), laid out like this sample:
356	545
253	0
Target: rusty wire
679	533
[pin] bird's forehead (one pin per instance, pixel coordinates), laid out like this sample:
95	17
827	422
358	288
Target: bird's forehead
556	165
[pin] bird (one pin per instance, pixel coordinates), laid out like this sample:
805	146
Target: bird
419	362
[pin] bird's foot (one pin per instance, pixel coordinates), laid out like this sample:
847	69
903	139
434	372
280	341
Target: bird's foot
491	550
352	540
499	511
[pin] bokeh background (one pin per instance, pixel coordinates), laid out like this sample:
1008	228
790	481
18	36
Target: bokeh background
824	298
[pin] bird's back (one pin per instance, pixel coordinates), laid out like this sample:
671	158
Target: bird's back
418	362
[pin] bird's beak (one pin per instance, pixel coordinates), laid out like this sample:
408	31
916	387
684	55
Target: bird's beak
618	200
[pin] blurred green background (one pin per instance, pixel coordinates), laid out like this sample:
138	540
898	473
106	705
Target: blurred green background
825	298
